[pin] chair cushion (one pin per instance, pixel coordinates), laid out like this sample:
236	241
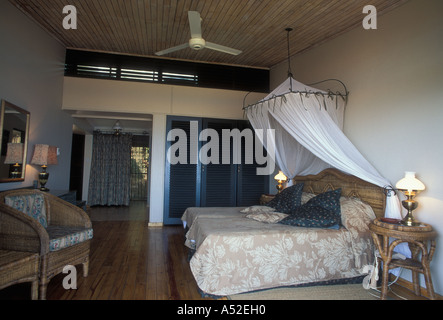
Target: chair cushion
61	236
31	204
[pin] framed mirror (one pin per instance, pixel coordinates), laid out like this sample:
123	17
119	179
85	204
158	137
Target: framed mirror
14	130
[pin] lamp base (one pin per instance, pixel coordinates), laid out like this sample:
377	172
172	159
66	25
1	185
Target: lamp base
410	222
15	174
410	205
43	178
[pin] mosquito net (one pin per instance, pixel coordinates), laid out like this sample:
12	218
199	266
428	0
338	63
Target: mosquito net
309	136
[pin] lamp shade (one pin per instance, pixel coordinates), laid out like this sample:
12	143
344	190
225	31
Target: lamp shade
14	153
44	155
410	183
280	176
52	155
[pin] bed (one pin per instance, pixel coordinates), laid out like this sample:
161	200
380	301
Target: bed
240	249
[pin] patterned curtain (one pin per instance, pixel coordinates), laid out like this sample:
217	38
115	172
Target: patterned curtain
110	177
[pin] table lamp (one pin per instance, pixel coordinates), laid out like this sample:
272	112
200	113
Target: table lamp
280	177
44	155
410	186
14	156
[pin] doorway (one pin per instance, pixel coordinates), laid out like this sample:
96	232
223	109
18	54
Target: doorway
77	161
140	152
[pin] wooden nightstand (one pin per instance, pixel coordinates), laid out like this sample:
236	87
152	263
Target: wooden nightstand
420	239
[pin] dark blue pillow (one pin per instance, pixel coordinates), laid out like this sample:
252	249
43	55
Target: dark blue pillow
329	200
287	200
312	217
322	211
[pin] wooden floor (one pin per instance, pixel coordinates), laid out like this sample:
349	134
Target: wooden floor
131	261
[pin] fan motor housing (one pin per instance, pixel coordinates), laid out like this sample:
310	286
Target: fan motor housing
197	43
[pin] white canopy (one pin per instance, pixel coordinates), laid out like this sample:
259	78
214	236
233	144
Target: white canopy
308	127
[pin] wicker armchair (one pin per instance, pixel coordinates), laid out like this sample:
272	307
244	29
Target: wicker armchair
17	267
36	221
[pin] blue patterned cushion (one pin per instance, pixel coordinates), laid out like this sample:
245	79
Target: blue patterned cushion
287	200
322	211
61	237
329	200
32	204
312	217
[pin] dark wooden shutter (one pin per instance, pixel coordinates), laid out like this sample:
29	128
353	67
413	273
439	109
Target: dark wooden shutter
182	180
218	187
213	184
250	186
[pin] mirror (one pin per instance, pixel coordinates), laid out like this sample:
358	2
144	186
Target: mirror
14	130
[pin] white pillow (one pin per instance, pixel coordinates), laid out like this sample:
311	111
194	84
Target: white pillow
267	217
257	209
355	214
306	196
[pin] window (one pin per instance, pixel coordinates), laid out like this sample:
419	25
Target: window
192	78
87	64
97	71
139	167
142	75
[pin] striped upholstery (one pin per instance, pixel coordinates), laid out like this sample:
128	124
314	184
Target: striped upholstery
62	237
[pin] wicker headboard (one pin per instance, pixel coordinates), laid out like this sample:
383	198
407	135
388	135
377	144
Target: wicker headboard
331	179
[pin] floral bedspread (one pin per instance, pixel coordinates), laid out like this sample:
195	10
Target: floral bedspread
235	254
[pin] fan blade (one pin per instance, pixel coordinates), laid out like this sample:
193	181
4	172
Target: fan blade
173	49
195	24
221	48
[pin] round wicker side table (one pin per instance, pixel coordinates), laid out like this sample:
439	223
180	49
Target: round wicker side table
421	239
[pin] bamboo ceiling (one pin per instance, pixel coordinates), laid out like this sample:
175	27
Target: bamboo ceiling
257	27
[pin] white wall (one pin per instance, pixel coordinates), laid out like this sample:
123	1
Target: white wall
32	67
395	111
159	100
147	98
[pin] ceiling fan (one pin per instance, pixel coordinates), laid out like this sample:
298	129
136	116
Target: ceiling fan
197	42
